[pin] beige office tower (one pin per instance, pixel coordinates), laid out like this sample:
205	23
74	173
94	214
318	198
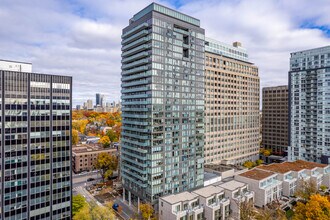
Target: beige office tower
275	119
231	104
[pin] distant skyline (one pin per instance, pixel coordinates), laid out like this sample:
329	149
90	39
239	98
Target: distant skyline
82	38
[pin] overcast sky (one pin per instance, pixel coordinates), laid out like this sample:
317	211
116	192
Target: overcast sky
81	38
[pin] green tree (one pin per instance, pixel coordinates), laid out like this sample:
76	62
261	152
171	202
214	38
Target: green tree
146	210
323	188
91	211
78	202
106	164
75	137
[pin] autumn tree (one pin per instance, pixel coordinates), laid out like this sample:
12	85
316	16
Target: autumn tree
146	210
80	125
248	164
75	137
106	164
258	162
246	210
271	212
78	202
105	141
305	189
318	208
113	136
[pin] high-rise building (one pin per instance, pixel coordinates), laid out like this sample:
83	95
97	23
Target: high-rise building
275	119
89	104
98	99
35	149
231	104
162	104
309	105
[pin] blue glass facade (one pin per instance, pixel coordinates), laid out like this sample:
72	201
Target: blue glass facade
162	105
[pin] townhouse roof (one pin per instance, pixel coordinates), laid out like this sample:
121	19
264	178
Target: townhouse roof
208	191
256	174
232	185
180	197
297	166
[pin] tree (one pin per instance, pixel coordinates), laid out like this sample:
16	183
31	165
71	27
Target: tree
113	136
83	214
246	210
106	164
80	125
305	189
318	208
270	212
146	210
267	153
75	137
91	211
78	202
105	141
248	164
323	188
258	162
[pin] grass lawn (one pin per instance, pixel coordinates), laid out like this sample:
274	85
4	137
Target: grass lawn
289	213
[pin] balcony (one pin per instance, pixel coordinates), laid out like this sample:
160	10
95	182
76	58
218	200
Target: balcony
124	158
136	50
139	182
135	70
137	89
136	83
134	37
126	115
134	64
139	96
136	43
136	56
134	30
145	102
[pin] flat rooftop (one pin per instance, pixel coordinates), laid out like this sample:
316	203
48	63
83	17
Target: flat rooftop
297	165
86	148
180	197
222	167
256	174
231	185
208	191
209	176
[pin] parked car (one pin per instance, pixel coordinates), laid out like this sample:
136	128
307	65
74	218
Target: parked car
90	179
115	206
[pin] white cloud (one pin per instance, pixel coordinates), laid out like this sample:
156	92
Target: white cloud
82	37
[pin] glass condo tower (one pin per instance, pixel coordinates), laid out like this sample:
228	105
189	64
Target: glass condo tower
162	104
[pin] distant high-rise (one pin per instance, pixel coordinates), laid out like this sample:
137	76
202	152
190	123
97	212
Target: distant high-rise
309	109
232	87
35	152
98	99
163	104
275	119
89	104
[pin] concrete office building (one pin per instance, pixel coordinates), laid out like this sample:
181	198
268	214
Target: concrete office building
35	146
275	119
231	104
162	104
15	66
309	105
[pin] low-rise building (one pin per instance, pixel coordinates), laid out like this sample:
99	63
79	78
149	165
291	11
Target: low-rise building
290	172
84	156
180	206
216	204
264	184
236	192
216	201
